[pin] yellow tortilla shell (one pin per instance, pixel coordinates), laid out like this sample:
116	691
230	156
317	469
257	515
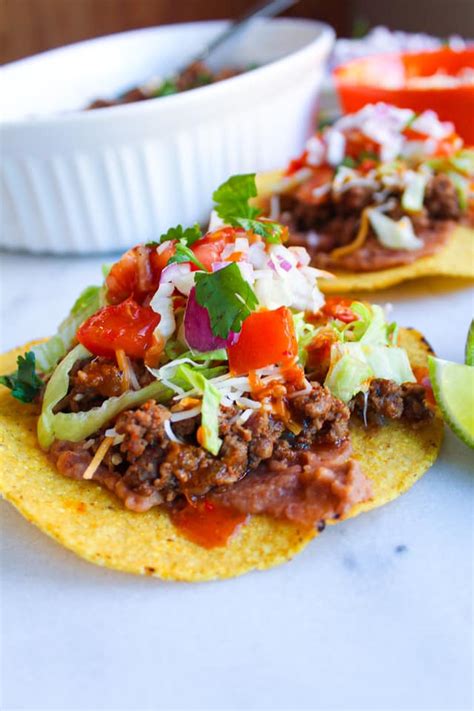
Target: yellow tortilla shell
92	523
456	259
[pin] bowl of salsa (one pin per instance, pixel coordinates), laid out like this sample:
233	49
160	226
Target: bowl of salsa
441	80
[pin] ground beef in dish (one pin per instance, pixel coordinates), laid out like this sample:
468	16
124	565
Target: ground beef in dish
194	76
387	400
334	223
148	469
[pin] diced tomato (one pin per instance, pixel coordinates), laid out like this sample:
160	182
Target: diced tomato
338	307
321	176
357	143
297	163
267	337
319	353
366	165
159	259
209	249
127	326
137	273
422	376
444	147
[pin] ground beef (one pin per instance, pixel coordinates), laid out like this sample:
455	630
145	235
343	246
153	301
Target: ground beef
324	416
335	222
441	199
387	400
93	380
147	468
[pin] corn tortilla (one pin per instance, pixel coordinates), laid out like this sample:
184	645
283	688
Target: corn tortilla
92	523
456	259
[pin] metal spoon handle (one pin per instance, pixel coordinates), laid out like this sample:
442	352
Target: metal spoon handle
262	9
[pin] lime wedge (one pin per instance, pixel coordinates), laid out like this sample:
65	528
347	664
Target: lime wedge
469	351
453	387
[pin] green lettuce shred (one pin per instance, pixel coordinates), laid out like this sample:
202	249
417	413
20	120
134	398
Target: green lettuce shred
76	426
354	365
211	399
49	353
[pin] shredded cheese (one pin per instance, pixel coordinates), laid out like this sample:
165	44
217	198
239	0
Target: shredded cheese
102	450
358	241
129	379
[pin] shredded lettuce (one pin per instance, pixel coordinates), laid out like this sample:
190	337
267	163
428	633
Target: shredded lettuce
414	194
49	353
305	333
354	365
461	185
76	426
56	389
394	234
211	399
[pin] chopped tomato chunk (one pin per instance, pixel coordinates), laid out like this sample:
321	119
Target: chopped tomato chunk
308	192
422	376
297	163
339	308
137	273
267	337
127	326
357	144
208	250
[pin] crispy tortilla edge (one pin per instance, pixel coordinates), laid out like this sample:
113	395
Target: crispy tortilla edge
93	524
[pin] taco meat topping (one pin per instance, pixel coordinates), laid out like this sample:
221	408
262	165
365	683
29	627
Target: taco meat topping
322	228
387	400
147	469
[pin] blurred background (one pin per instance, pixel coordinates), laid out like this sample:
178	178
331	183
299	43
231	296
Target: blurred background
30	26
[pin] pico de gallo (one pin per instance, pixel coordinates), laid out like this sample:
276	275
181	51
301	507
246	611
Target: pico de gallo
208	376
379	188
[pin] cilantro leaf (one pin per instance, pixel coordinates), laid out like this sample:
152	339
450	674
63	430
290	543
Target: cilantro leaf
232	205
184	254
271	231
227	297
24	383
167	88
187	236
232	198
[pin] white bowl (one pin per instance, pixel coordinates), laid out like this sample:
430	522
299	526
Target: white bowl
97	181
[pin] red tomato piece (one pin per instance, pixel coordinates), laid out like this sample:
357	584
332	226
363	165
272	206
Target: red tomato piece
357	143
338	307
267	337
422	376
137	273
297	163
321	176
127	326
209	248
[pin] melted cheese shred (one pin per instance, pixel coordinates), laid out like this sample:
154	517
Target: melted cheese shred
358	241
129	379
102	450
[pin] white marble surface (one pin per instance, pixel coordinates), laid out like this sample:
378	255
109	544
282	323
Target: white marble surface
375	614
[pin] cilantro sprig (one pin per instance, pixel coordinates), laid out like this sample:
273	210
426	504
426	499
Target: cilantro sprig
184	237
232	204
228	298
184	254
24	383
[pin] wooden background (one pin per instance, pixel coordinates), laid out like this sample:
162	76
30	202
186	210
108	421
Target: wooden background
30	26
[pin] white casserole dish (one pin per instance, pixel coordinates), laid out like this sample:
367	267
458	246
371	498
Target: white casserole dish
98	181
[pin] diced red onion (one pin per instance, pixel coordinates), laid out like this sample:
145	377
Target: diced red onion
284	263
197	328
170	272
